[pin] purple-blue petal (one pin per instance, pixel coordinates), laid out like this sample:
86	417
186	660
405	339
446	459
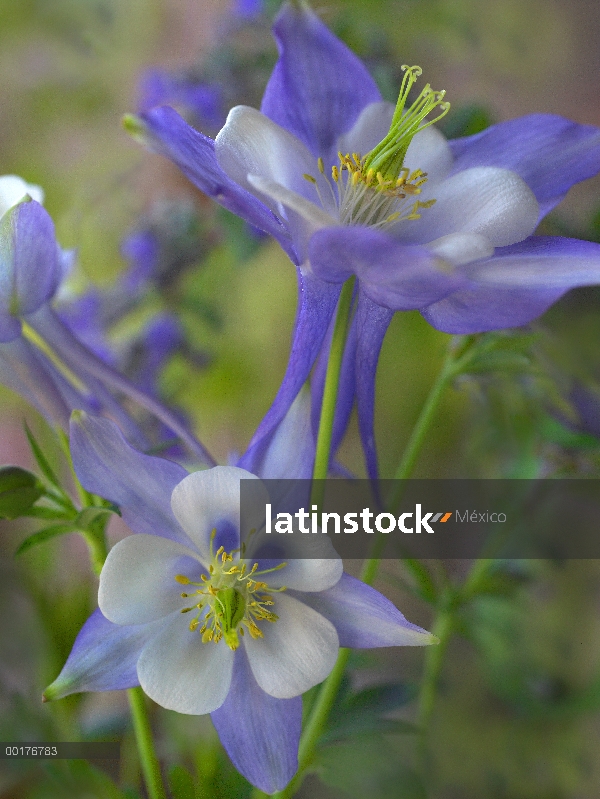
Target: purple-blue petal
28	372
397	276
363	618
261	734
372	322
478	309
30	263
318	87
549	152
103	657
141	485
317	303
194	153
544	268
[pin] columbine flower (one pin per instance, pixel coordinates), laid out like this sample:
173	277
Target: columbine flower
186	612
351	185
32	266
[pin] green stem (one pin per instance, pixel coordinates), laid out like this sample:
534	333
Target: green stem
413	448
434	657
316	722
330	687
330	390
98	549
411	453
145	744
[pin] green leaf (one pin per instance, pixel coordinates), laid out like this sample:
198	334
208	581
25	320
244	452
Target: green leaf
555	432
362	713
181	783
45	535
41	460
368	766
19	490
40	512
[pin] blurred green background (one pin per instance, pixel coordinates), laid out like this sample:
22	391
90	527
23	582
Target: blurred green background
518	711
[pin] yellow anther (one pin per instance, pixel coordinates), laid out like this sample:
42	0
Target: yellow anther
204	578
321	166
335	173
207	636
193	624
182	579
309	178
254	631
186	610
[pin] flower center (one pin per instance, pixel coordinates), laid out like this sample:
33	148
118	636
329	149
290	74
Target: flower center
230	598
365	197
377	189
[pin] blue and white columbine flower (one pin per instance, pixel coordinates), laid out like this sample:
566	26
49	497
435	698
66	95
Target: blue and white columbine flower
189	616
350	185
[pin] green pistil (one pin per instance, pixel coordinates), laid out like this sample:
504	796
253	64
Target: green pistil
387	158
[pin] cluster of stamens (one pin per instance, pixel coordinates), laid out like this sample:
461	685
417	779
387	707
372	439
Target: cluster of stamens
229	598
377	189
365	197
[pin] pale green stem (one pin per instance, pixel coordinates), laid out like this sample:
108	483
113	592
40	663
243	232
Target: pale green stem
443	628
98	549
411	453
145	744
434	657
330	390
326	698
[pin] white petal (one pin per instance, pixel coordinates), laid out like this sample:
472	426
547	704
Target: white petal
312	562
290	454
369	129
303	217
430	152
181	673
307	574
312	213
298	651
204	499
541	271
137	583
495	203
250	143
13	189
461	248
